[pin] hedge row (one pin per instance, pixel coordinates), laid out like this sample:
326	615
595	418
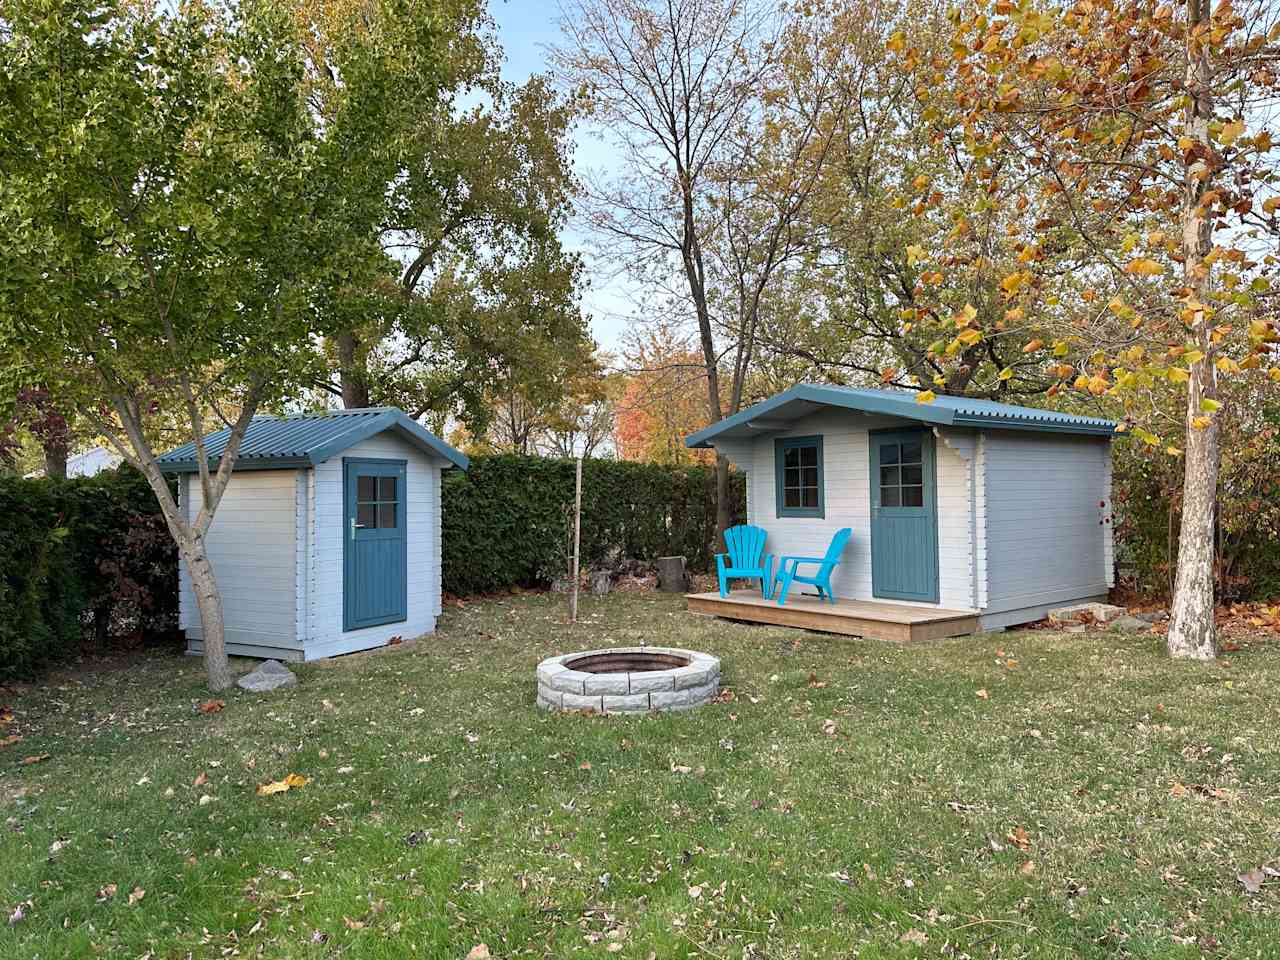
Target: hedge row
508	520
80	559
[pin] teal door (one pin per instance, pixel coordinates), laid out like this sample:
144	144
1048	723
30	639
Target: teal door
904	516
375	583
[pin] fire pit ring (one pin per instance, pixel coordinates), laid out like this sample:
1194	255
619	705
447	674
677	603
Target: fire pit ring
628	680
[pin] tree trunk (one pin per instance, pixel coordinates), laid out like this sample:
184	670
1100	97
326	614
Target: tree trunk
55	456
1191	629
209	603
355	384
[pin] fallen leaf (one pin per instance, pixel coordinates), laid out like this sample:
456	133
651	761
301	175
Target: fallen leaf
815	682
679	768
983	695
585	765
280	786
212	706
58	845
353	924
38	758
10	740
1252	880
479	952
1028	867
201	780
137	894
918	937
695	891
1177	790
829	728
205	799
1018	836
106	892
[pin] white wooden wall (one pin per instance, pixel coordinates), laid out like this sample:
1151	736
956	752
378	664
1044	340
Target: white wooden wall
847	493
1048	527
325	531
252	545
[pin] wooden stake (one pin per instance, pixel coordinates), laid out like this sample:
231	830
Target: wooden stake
577	541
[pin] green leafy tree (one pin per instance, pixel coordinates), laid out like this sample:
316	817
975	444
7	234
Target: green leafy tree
170	217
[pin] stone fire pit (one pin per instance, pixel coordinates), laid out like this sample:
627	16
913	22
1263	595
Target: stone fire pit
628	680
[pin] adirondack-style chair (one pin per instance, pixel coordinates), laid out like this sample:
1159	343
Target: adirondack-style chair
789	569
746	558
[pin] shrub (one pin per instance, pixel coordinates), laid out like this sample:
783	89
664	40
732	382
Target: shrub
80	558
508	519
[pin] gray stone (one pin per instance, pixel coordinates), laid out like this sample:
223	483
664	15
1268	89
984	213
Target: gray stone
1153	616
574	701
1101	612
606	683
632	703
547	671
270	675
644	682
569	681
1129	624
692	676
549	699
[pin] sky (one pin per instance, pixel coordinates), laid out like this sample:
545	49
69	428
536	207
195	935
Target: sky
525	29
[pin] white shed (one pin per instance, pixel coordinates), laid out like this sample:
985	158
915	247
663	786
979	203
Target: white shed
986	513
327	539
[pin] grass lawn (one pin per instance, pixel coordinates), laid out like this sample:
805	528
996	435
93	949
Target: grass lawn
1032	794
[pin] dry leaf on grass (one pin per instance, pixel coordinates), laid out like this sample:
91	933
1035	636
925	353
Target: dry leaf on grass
9	740
212	706
983	695
918	937
280	786
201	780
479	952
106	892
38	758
137	894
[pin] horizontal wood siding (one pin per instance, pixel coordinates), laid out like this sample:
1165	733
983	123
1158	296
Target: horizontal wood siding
325	636
847	482
252	546
1047	497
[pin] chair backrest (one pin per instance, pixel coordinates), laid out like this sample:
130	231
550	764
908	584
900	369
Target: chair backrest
745	544
837	547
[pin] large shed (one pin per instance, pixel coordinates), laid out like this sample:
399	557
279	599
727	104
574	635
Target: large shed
988	512
327	539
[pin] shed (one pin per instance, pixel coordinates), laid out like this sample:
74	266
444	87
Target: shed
983	513
327	539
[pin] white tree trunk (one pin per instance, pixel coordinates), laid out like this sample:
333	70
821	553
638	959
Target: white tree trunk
209	603
1191	629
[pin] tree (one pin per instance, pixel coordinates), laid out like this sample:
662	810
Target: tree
659	403
480	187
1128	127
721	111
170	219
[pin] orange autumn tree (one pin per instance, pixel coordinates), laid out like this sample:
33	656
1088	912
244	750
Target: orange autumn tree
1136	134
658	409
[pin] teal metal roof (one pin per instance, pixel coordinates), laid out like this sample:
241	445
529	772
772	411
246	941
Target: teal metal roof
306	439
804	399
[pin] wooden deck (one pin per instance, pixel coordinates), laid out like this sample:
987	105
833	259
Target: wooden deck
858	618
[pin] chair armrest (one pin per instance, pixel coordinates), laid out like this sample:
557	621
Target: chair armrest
802	559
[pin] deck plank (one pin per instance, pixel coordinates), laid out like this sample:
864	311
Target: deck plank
860	618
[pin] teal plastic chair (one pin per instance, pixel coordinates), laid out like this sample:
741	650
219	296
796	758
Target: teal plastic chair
789	569
746	558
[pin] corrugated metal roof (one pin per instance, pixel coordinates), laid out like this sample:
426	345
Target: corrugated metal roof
306	439
943	410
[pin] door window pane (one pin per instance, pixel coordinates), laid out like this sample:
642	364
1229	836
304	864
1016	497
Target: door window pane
792	457
791	497
889	497
913	496
889	477
911	452
386	516
366	515
913	475
366	488
386	488
889	453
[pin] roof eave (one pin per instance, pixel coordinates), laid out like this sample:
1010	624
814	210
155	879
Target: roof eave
189	465
1037	426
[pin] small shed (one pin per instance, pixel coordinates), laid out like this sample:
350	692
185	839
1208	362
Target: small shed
986	512
327	539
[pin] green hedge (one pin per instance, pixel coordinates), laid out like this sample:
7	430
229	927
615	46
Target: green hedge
507	521
85	558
